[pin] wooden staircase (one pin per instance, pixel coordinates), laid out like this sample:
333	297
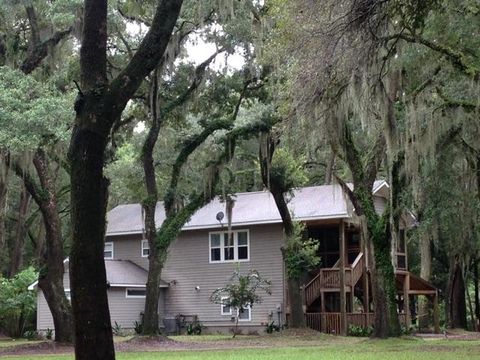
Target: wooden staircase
328	280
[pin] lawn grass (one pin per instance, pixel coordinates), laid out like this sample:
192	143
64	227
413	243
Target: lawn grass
325	348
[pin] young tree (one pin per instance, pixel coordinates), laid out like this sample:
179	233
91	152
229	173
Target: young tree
241	293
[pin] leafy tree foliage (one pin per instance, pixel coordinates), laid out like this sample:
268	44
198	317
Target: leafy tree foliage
17	303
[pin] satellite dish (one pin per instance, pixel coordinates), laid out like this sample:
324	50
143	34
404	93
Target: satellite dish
220	216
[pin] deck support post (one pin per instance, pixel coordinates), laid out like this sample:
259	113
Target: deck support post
365	279
343	295
436	319
406	300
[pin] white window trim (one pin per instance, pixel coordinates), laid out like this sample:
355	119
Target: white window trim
249	314
143	248
222	247
222	305
108	258
69	296
135	296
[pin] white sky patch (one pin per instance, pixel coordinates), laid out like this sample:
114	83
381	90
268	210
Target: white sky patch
135	28
139	128
198	51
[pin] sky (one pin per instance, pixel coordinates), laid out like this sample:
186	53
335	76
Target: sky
197	52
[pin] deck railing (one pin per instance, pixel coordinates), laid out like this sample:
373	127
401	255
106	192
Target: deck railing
330	279
330	322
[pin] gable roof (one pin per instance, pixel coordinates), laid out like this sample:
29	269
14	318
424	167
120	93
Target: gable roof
252	208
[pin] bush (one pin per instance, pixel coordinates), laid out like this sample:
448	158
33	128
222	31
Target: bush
49	334
138	327
359	331
194	328
272	327
31	335
118	330
17	303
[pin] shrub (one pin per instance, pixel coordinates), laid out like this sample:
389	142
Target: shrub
359	331
138	327
17	303
118	330
31	335
194	328
49	334
272	327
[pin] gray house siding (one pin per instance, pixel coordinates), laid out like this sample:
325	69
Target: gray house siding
380	204
188	267
123	310
44	317
129	247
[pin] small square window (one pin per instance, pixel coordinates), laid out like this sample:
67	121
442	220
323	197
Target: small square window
145	248
108	250
226	309
244	314
136	293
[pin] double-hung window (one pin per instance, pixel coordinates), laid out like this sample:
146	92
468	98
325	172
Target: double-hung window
225	309
229	247
108	250
145	248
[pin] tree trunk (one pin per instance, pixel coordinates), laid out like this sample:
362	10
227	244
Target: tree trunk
155	265
52	266
476	294
382	275
88	280
384	289
425	273
51	260
329	169
3	209
16	257
297	317
456	304
98	107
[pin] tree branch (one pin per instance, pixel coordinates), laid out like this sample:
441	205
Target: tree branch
40	51
456	58
148	55
197	80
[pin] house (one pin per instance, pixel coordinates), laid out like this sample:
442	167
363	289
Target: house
200	260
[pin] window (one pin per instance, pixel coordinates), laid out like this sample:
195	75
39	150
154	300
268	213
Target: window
224	248
244	314
225	309
145	248
136	293
108	250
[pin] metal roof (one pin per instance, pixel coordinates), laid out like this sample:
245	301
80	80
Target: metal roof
120	273
309	203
